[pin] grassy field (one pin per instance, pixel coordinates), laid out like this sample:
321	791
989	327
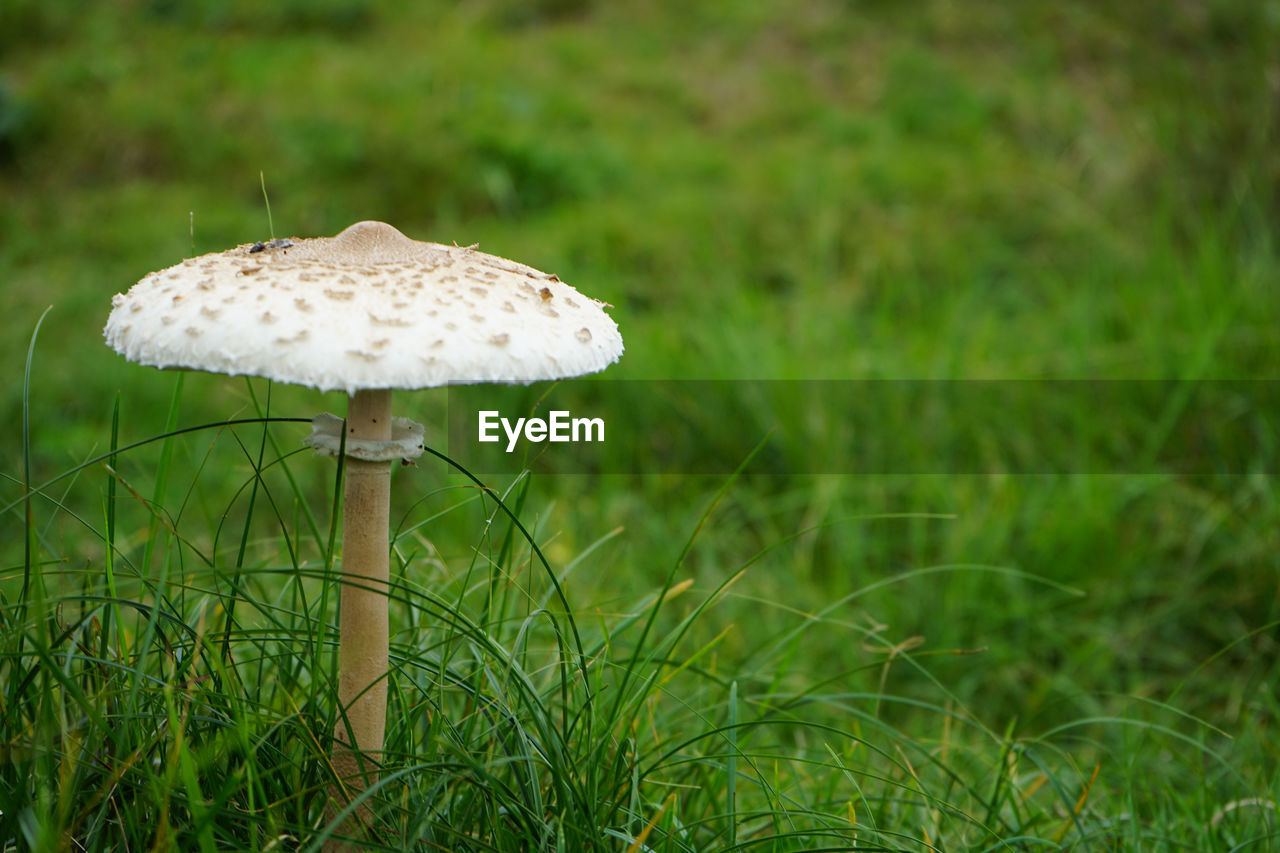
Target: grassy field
974	652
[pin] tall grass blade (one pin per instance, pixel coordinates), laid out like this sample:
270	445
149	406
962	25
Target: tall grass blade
229	621
111	615
731	765
266	199
28	518
162	470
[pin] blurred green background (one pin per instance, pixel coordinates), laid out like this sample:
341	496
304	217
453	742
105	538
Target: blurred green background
765	190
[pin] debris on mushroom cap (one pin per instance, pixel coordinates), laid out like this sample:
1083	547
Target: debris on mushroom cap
369	308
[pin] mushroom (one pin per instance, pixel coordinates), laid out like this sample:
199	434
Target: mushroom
365	312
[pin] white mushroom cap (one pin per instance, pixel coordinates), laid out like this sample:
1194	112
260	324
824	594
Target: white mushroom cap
369	308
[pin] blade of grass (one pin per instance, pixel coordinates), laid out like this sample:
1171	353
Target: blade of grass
28	551
111	614
271	226
229	622
162	470
731	765
621	692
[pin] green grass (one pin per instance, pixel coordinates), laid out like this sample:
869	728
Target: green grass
174	684
137	704
922	190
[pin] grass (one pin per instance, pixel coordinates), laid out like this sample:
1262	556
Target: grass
171	681
183	698
774	660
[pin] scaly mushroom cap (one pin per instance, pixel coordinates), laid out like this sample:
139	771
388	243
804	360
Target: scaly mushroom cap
369	308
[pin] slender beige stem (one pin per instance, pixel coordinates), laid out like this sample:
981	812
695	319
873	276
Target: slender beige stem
363	636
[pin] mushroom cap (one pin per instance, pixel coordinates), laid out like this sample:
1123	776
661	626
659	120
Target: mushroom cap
369	308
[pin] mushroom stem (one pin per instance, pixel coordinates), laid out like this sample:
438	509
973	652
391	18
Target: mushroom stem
363	635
